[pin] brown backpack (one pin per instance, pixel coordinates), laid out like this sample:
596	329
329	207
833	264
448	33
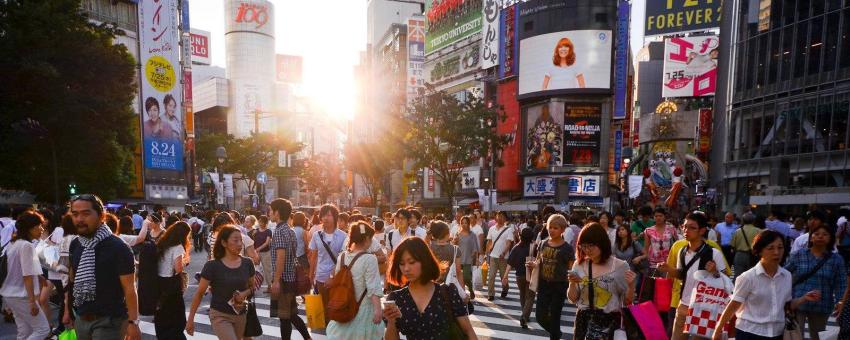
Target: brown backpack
342	307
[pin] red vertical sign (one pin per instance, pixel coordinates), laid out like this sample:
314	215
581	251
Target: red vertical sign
704	130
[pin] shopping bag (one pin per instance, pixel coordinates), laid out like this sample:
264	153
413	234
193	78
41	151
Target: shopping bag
630	325
708	299
830	334
484	268
315	311
649	321
620	334
453	281
253	328
477	281
68	334
663	294
647	286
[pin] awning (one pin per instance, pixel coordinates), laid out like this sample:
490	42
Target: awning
467	201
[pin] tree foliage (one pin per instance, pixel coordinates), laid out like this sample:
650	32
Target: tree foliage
445	134
66	76
373	162
321	173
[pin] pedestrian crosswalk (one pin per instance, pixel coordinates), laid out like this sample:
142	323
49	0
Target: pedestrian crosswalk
498	319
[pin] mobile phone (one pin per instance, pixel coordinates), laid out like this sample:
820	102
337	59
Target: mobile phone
389	303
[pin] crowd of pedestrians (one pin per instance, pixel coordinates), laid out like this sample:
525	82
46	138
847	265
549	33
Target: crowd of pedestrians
409	274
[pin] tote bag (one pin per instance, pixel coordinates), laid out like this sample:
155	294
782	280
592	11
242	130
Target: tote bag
451	277
315	311
647	318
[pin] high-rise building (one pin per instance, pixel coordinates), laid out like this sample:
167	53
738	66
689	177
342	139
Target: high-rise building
785	103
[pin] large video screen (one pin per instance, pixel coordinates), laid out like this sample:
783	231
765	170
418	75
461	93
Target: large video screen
565	61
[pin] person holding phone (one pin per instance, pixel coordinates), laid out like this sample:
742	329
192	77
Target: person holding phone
231	278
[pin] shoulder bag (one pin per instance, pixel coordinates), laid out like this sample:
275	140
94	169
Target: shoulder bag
327	248
454	332
498	237
792	330
451	277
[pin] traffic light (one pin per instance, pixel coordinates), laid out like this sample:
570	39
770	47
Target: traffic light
72	188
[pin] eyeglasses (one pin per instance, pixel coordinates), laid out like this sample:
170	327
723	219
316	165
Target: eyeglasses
586	246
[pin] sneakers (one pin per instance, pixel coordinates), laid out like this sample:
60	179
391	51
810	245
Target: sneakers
491	298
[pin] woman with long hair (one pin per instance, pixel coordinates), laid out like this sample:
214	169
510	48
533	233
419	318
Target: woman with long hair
468	250
173	250
606	220
231	278
21	288
762	295
422	301
561	75
612	283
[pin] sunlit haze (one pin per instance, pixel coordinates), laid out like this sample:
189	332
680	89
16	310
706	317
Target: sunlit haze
329	34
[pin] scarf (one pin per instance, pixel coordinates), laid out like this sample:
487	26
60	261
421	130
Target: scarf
85	284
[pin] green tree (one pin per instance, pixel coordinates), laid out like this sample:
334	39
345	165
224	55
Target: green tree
66	89
322	174
445	134
373	162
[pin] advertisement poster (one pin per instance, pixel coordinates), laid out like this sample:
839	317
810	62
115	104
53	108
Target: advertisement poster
449	21
667	17
161	93
490	34
415	57
565	60
582	135
508	42
704	130
544	137
618	149
690	66
621	61
288	68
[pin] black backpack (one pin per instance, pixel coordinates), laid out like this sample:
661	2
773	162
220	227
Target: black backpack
148	273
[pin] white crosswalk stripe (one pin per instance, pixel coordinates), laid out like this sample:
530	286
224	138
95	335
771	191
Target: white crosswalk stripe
498	319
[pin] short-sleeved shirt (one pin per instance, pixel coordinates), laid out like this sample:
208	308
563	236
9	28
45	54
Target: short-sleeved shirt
225	280
166	262
113	258
284	238
741	243
468	245
726	231
22	261
609	288
639	226
260	238
830	279
500	244
554	261
763	298
716	256
324	261
628	254
395	237
660	243
516	259
433	323
299	240
444	254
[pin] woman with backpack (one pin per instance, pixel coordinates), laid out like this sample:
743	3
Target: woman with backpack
231	278
363	269
21	286
173	250
422	302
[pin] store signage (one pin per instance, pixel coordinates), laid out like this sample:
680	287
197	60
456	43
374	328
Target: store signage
669	17
621	60
450	21
415	57
690	66
252	13
508	43
618	150
543	186
456	63
490	34
704	130
200	44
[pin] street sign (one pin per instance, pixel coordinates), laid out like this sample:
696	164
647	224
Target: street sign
261	177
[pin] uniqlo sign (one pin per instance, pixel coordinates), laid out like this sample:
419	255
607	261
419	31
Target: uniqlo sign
200	43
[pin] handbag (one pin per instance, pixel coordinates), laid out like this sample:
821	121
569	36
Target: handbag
533	276
302	280
792	329
649	321
630	325
598	327
68	334
253	327
451	277
453	332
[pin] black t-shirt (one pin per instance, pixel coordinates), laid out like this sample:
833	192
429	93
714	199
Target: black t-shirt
517	258
433	323
113	258
224	281
554	261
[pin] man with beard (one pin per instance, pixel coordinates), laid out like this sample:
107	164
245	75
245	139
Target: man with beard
103	276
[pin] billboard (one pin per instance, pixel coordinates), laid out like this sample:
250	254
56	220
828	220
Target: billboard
415	57
490	34
288	68
200	42
705	124
449	21
621	61
690	66
161	92
565	60
544	137
256	16
453	64
582	134
508	42
667	17
580	185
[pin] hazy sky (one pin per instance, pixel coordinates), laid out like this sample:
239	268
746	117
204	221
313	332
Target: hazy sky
329	34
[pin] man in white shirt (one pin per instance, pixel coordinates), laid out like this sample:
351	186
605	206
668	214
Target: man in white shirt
454	228
402	229
707	258
499	242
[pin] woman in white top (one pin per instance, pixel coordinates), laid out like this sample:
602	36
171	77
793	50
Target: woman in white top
58	273
762	294
561	74
21	288
173	250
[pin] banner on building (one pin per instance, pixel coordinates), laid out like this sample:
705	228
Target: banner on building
544	186
200	42
690	66
508	41
490	34
161	94
431	180
415	57
621	60
470	179
227	183
544	136
187	103
667	17
705	130
289	68
618	149
565	60
449	21
454	64
582	135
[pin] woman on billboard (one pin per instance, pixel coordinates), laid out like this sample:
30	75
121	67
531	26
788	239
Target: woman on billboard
174	123
562	75
154	126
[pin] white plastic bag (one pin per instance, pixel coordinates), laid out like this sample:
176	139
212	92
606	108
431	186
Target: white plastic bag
830	334
477	283
620	334
709	297
451	278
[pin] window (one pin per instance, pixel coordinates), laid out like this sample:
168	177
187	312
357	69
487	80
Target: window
761	60
803	9
817	7
751	61
831	43
775	56
822	122
741	68
845	40
840	114
775	13
787	46
815	45
788	11
800	58
792	130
